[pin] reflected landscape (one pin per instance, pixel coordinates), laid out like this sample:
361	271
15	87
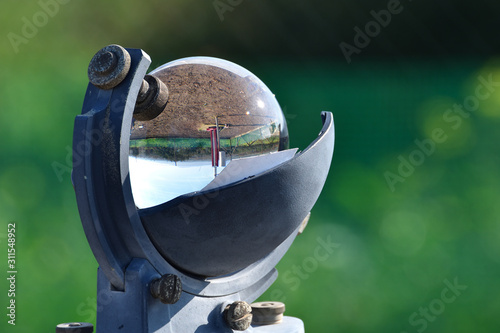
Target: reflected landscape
217	112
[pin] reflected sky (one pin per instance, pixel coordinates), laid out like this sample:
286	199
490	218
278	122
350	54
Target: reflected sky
155	181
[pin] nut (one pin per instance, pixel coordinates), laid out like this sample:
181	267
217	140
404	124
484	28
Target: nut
109	67
267	313
238	315
167	289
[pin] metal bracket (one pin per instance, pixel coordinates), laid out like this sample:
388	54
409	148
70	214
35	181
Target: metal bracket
127	243
135	310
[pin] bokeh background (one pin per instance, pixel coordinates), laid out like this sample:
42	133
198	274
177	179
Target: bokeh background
409	213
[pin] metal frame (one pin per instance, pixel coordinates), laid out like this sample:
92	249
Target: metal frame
129	244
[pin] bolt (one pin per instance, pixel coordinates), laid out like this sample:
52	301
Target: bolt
143	93
238	315
105	62
151	100
267	313
167	289
75	328
109	67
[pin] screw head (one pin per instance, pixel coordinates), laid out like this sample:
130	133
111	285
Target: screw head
238	315
167	289
109	67
267	313
75	328
105	62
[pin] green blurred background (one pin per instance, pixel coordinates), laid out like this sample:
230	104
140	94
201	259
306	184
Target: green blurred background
399	243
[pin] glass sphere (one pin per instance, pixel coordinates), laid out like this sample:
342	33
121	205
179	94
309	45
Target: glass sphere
217	112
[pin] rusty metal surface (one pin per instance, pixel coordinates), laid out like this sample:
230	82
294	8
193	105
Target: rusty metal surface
151	100
267	313
238	315
167	289
109	67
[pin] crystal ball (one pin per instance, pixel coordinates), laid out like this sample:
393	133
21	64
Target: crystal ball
217	113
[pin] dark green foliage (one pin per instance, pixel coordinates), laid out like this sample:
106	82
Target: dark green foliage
370	257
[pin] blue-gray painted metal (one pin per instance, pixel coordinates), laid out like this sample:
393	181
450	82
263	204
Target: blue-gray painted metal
135	310
99	168
118	237
226	229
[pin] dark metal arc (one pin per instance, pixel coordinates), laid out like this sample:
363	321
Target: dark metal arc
98	170
221	231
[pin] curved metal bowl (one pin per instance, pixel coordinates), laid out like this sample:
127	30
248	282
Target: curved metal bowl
221	231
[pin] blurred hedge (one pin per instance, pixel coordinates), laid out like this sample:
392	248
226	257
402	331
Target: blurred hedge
394	249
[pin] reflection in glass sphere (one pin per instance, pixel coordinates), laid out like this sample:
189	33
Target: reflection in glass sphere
217	112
